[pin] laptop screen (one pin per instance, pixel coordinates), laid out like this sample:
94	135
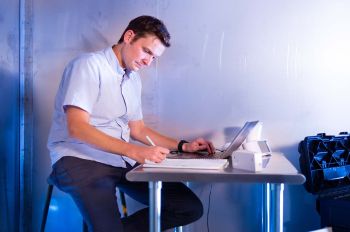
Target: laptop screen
241	136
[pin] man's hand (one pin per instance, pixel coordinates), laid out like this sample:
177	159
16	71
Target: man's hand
152	153
199	144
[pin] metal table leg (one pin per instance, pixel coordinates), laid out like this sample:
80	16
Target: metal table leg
277	207
155	188
178	229
266	206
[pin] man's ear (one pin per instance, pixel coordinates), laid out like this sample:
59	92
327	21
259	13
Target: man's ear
128	36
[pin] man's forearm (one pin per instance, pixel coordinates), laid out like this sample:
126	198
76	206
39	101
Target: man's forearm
156	137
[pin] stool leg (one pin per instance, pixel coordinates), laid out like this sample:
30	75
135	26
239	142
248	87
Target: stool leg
123	201
46	207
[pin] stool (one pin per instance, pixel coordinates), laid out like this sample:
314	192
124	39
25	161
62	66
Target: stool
85	229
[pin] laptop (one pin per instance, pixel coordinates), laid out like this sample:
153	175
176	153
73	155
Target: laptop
234	145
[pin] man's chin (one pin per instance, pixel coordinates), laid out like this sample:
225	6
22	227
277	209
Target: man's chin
134	68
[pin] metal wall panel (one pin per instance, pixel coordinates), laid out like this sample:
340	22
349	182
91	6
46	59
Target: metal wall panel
284	63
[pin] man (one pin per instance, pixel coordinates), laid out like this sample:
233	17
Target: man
97	109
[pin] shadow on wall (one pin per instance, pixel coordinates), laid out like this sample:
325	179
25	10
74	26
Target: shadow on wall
9	149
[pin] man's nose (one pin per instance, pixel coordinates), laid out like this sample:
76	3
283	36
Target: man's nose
148	60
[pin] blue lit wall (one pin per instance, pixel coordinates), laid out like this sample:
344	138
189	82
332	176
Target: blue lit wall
282	62
9	171
9	116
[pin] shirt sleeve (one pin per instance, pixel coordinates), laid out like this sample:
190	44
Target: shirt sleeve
82	80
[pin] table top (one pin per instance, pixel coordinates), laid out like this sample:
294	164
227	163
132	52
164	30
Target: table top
277	170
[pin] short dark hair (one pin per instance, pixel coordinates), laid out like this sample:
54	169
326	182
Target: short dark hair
148	25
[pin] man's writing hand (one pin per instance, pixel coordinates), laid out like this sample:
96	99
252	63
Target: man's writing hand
155	153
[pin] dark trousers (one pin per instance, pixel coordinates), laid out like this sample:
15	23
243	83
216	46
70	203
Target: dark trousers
92	186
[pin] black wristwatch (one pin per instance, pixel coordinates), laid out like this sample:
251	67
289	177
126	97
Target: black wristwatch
179	146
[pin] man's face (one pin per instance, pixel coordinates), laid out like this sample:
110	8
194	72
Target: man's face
141	52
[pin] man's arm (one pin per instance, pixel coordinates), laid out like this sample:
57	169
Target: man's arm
79	128
139	131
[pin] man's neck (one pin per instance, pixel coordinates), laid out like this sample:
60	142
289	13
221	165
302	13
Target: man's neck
117	51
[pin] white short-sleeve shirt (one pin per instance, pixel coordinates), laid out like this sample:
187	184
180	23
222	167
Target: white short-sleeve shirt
96	83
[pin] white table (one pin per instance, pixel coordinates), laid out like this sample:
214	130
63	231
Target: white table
279	171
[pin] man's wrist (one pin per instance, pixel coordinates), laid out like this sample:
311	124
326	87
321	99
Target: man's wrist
180	145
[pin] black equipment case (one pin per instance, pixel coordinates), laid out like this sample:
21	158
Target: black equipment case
325	162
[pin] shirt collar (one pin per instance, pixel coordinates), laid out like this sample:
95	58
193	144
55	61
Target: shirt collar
114	63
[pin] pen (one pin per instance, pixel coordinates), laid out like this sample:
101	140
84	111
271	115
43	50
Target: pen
150	140
152	143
